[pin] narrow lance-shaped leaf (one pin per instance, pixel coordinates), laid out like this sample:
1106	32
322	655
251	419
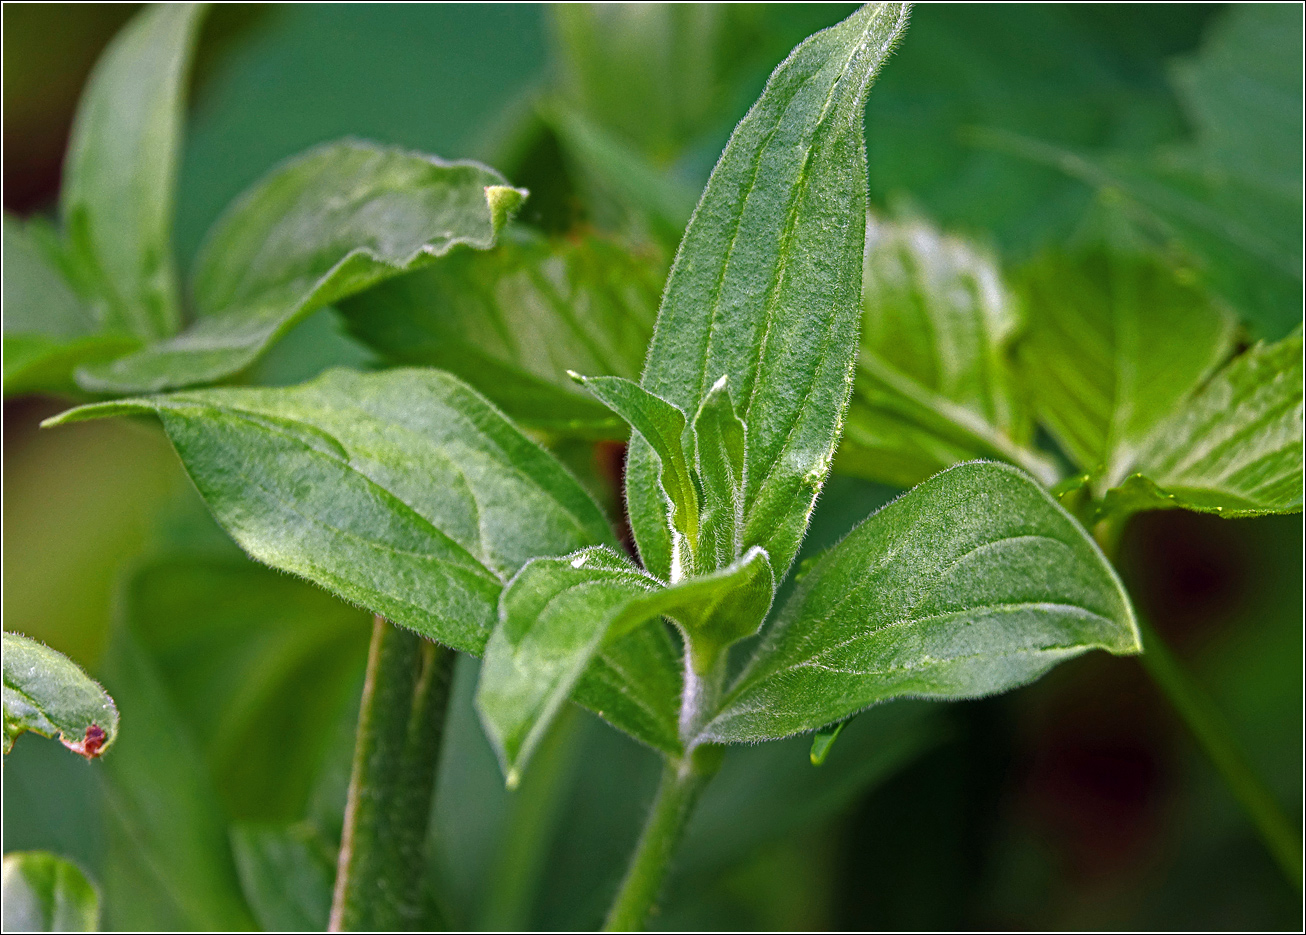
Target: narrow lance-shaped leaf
45	692
48	328
765	286
720	450
558	613
45	893
1115	346
934	383
1235	449
404	491
972	583
323	226
513	320
120	177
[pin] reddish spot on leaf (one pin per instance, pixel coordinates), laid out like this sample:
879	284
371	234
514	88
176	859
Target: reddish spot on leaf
90	745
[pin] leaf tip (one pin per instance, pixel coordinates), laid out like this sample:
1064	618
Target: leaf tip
576	377
504	201
513	779
91	745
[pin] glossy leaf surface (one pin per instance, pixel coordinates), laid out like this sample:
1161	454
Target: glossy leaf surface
45	893
765	286
513	320
119	181
403	491
321	227
1114	346
45	692
1235	448
934	378
972	583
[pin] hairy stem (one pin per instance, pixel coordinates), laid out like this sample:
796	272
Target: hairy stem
381	873
1217	741
1213	734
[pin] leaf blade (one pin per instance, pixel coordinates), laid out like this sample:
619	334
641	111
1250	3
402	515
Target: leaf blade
45	893
47	693
973	582
322	226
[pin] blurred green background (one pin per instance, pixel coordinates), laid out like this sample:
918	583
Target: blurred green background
1078	802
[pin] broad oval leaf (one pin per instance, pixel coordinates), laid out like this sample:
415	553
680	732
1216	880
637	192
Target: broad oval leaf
120	176
403	491
323	226
513	320
972	583
557	614
45	692
1235	448
45	893
765	286
934	380
1115	346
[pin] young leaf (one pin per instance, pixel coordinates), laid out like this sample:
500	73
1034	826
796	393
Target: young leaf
45	692
661	426
323	226
721	463
404	491
513	320
559	612
1235	449
972	583
287	873
765	284
934	383
1115	346
45	893
48	329
120	176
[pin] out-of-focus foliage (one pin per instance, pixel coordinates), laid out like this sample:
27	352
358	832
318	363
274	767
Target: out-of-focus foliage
44	893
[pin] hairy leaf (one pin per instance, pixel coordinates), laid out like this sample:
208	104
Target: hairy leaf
512	321
45	692
1235	449
934	383
558	613
120	177
45	893
287	873
972	583
403	491
720	450
1115	345
765	285
323	226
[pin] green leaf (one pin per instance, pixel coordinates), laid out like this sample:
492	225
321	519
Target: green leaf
48	329
323	226
513	320
934	381
403	491
1235	448
45	893
120	176
721	466
661	426
765	286
287	873
1115	345
972	583
823	740
45	692
558	613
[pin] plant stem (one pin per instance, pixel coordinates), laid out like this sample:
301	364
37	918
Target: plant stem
682	781
1213	734
1221	747
532	821
381	873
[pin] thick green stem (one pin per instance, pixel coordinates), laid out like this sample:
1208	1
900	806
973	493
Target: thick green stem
682	781
1218	743
1212	733
381	873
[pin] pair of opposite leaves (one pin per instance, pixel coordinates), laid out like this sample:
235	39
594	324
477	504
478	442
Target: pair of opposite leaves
408	493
